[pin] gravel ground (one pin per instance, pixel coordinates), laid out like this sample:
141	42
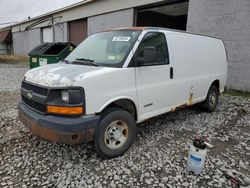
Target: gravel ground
157	158
11	75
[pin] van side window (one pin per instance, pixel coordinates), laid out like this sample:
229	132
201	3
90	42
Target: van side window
157	40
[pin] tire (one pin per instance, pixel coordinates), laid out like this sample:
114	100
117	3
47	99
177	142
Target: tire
115	133
211	101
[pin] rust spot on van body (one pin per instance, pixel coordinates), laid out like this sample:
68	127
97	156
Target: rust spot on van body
126	28
173	109
182	106
72	138
190	99
189	103
179	107
61	137
131	28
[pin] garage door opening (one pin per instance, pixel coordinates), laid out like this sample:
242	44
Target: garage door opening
77	31
172	16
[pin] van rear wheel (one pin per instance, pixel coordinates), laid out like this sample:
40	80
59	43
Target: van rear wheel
211	101
115	133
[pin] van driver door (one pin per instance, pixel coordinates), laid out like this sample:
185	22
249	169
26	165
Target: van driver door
154	79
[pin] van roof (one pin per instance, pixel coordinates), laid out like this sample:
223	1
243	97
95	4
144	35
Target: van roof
162	28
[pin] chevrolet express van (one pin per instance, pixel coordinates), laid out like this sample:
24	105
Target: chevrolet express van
116	79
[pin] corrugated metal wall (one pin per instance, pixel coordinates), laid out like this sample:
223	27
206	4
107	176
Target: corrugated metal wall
3	49
101	15
101	7
111	20
24	42
91	9
61	32
47	34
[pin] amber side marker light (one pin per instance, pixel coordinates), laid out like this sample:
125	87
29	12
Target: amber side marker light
65	110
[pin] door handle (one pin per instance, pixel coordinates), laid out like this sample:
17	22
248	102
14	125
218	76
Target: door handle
171	73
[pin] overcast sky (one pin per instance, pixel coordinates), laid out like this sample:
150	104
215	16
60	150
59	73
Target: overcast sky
17	10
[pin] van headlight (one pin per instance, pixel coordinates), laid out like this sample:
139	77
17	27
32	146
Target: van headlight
66	101
65	96
72	96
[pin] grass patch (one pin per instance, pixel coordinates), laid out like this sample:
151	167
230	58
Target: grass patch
13	59
237	93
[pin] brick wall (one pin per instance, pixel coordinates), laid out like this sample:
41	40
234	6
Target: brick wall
230	21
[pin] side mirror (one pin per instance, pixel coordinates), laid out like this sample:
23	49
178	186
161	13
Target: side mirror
148	56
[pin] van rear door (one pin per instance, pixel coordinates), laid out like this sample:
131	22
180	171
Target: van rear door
154	79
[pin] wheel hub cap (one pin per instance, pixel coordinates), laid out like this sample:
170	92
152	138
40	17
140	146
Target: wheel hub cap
212	98
116	134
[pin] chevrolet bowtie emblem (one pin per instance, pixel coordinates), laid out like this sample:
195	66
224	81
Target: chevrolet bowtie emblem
29	94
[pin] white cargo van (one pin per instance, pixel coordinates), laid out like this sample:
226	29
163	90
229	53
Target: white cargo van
118	78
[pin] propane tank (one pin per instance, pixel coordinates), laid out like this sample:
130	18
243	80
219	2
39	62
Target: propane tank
197	156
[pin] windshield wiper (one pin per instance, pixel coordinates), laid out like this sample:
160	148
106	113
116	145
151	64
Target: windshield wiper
65	61
86	61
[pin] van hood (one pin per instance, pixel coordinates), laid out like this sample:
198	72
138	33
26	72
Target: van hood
60	74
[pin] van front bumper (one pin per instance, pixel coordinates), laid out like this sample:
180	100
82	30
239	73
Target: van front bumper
68	130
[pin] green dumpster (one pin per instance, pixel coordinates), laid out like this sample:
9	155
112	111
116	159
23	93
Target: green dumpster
48	53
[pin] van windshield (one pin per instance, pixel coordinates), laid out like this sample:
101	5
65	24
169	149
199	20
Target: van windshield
108	49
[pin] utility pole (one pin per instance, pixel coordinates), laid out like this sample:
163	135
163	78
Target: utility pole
53	28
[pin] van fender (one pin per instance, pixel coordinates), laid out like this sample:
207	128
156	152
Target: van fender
116	99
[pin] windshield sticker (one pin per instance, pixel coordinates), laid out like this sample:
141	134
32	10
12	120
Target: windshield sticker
111	57
121	39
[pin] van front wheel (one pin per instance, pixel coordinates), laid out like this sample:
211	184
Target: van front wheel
115	133
211	101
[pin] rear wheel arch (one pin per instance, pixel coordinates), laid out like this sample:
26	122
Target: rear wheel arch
211	101
217	84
